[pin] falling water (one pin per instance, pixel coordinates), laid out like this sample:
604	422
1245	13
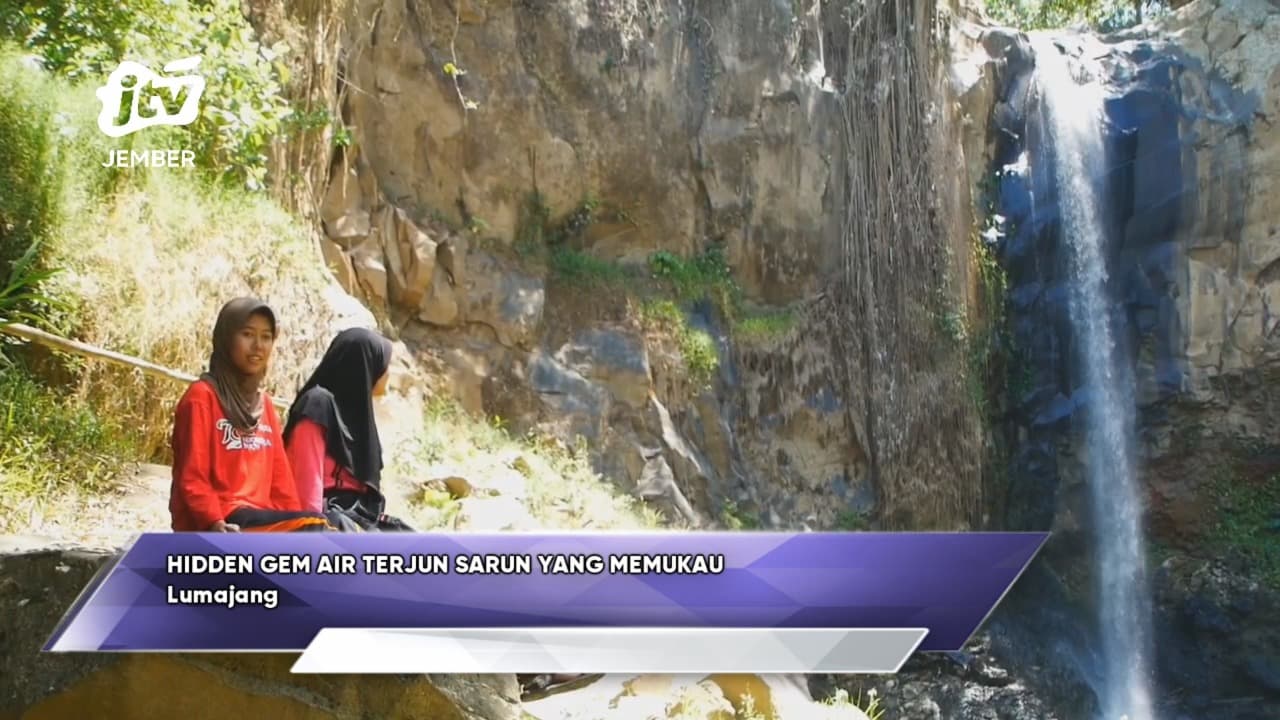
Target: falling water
1073	113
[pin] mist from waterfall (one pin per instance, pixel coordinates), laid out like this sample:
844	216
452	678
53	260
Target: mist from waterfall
1073	113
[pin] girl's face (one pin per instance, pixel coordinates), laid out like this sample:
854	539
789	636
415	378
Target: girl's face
251	347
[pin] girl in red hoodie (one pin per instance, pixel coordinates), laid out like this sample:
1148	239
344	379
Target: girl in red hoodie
230	470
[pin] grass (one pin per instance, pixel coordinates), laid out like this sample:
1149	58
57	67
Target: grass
1246	524
559	488
585	271
852	521
838	707
735	518
148	256
144	259
869	707
765	326
703	277
50	446
697	347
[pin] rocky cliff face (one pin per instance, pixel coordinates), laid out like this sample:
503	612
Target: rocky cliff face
813	147
1192	153
837	155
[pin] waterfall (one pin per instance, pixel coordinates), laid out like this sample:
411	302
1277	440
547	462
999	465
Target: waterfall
1073	113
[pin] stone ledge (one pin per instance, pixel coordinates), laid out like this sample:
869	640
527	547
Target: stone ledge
39	582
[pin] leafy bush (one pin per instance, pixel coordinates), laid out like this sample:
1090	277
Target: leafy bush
242	109
1103	15
127	246
51	445
1246	524
697	348
702	277
20	293
26	159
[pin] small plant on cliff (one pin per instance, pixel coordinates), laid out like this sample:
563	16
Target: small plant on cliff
987	342
451	68
532	226
581	269
703	277
1245	525
736	518
697	348
852	521
764	326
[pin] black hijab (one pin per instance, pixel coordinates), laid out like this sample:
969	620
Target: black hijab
339	397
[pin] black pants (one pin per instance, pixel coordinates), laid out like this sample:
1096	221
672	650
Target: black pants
356	511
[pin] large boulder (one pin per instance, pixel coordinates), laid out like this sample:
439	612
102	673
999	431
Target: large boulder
37	585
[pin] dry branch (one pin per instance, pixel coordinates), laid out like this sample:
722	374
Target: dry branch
75	347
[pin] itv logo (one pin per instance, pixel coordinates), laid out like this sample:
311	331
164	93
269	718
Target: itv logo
126	88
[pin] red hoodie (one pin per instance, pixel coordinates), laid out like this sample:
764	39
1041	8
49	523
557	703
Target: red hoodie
217	469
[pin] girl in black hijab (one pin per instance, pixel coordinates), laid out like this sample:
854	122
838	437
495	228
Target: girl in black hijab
332	436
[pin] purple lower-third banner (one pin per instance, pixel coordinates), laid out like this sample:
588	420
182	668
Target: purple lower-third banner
514	602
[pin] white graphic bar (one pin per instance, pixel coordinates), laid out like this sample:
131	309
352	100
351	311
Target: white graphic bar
609	650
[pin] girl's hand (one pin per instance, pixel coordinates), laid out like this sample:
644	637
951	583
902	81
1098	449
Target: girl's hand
224	527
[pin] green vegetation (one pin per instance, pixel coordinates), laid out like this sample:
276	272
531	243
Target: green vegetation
50	445
672	280
242	107
562	491
697	347
735	518
136	261
21	298
537	231
988	343
764	326
1103	15
533	228
852	521
704	277
583	270
1245	525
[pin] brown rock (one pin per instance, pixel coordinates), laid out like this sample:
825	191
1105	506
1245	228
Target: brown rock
343	212
339	263
371	272
471	12
411	257
458	487
440	307
521	465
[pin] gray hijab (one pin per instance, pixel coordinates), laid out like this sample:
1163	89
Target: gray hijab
239	394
